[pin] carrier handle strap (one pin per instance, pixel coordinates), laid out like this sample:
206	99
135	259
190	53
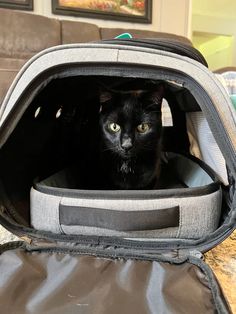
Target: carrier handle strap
119	220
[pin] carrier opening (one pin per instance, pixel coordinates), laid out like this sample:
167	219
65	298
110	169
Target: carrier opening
48	166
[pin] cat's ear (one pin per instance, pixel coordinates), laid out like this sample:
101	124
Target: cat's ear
104	97
155	97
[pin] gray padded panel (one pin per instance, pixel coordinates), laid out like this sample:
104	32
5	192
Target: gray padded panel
198	214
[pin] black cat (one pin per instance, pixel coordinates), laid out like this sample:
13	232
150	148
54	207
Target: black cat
131	131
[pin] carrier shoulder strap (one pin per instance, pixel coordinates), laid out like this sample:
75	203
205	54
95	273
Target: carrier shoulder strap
166	44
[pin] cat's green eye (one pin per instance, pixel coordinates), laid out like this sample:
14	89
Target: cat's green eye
143	127
114	127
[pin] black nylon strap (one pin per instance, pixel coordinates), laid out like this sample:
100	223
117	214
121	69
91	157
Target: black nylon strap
135	220
166	44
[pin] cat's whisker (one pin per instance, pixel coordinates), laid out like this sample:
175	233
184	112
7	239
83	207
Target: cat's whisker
147	148
155	111
110	149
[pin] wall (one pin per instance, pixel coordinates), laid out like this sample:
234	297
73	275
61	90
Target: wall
217	18
217	49
168	16
217	25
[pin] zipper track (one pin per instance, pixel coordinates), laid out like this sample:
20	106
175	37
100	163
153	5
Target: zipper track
110	252
38	237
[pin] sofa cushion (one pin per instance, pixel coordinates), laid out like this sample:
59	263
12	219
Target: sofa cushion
24	34
11	64
78	32
9	67
109	33
6	78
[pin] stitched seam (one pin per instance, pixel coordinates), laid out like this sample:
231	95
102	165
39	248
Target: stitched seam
180	222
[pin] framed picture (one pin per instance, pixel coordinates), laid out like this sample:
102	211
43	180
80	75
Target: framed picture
136	11
17	4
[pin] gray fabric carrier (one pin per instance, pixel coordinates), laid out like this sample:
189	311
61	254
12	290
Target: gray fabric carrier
190	211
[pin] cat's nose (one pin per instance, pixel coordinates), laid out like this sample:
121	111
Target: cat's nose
126	144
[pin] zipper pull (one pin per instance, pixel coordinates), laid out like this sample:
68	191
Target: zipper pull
186	253
196	254
26	239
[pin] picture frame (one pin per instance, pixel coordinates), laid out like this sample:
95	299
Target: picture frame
134	11
17	4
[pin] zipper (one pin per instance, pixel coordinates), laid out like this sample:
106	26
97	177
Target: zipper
113	250
99	250
35	239
109	251
11	246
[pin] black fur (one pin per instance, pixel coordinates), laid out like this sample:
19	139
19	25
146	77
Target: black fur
130	159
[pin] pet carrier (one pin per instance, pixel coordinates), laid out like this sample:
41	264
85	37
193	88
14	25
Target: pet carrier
92	250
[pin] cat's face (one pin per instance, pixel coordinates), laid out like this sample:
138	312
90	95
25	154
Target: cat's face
131	122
